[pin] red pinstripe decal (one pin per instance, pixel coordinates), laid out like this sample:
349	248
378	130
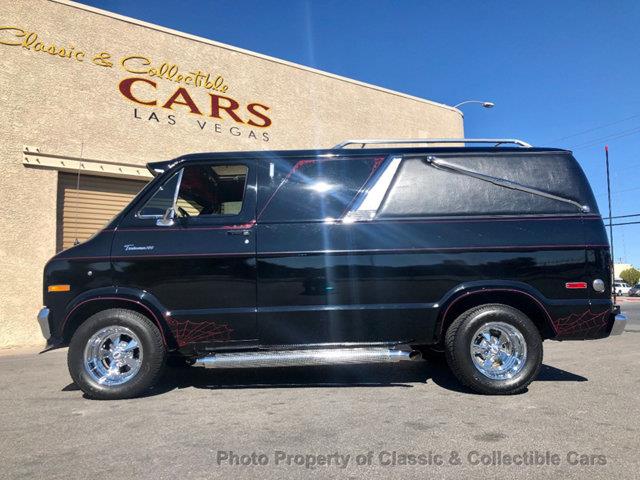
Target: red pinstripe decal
483	219
582	322
153	315
161	255
438	249
373	250
187	331
498	290
242	226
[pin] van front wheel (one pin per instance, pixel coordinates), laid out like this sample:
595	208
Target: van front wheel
116	354
494	349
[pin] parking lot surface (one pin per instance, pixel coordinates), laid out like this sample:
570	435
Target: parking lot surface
631	308
321	422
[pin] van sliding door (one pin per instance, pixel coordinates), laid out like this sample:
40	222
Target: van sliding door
321	277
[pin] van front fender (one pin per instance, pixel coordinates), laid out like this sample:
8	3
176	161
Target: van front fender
91	301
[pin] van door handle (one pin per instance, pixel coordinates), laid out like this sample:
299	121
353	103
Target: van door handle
244	233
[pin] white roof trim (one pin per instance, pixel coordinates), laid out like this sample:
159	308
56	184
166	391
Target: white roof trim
249	52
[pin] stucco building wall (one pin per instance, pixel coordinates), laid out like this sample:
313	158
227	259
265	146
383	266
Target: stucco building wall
59	92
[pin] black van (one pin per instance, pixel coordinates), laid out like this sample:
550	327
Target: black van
347	255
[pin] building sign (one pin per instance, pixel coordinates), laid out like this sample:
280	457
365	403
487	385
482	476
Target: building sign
196	97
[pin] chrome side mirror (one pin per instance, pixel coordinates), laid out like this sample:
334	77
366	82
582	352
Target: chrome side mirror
168	219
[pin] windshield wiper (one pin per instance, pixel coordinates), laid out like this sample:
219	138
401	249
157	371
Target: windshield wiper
501	182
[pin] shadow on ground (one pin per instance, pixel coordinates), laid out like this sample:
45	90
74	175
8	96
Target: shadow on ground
553	374
404	375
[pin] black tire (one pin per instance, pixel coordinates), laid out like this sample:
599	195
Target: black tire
151	365
458	343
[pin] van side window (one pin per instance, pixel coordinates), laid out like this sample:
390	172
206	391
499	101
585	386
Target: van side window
317	188
199	190
421	190
162	199
212	190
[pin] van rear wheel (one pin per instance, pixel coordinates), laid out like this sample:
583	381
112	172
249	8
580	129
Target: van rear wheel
494	349
116	354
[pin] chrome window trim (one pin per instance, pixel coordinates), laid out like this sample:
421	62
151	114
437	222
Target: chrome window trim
367	206
175	196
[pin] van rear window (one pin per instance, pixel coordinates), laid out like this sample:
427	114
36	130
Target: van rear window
422	190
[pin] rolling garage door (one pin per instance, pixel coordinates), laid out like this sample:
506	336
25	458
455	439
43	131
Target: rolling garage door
83	211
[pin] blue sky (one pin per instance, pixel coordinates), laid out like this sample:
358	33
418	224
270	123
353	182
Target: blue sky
563	74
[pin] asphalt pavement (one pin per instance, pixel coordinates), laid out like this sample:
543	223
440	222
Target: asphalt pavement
631	308
580	419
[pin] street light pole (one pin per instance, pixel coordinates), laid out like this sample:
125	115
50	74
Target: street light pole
613	259
484	104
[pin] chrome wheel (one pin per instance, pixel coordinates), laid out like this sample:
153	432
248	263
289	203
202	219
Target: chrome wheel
113	355
498	350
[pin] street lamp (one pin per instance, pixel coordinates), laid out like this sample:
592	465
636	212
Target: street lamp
484	104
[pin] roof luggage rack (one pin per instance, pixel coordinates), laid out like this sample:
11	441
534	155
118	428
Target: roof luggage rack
396	141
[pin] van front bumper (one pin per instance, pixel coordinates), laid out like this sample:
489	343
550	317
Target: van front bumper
43	320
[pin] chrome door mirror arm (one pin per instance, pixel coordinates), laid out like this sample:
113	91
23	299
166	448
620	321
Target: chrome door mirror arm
168	219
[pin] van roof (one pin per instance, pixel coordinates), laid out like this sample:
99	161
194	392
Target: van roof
157	168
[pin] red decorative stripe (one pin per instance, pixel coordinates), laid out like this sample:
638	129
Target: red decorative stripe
584	322
153	315
187	332
242	226
477	219
432	249
484	290
484	218
343	252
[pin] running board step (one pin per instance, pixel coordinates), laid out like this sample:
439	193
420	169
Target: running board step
296	358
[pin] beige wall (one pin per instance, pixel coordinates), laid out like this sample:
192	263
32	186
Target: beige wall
74	108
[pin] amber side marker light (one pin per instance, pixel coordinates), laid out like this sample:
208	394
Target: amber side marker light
58	288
